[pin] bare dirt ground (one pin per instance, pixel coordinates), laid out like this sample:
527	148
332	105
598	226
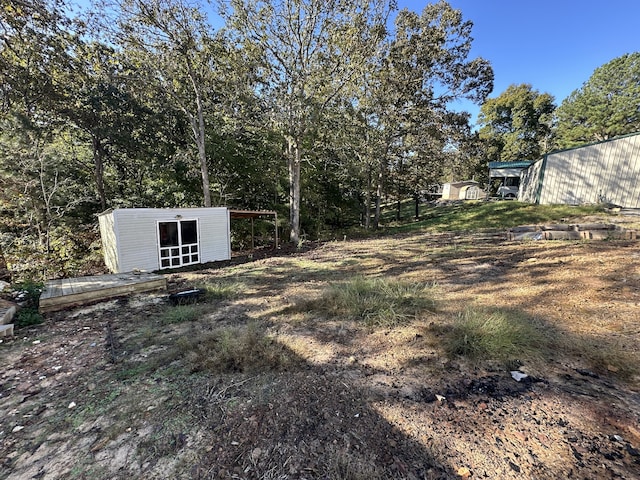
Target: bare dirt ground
121	390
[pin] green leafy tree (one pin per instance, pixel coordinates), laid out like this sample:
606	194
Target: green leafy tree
517	124
173	43
42	186
313	51
607	105
425	67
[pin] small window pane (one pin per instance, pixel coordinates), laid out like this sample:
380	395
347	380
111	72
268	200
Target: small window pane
175	261
185	259
175	252
164	253
194	248
165	263
194	258
185	250
168	234
189	230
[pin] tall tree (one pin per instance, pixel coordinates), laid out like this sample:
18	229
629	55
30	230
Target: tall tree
424	69
312	51
174	43
517	124
607	105
34	40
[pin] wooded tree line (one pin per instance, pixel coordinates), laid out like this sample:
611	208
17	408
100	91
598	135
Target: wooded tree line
322	109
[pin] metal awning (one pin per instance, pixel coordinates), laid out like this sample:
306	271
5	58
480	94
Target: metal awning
253	214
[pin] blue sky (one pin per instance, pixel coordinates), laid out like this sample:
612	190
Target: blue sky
553	45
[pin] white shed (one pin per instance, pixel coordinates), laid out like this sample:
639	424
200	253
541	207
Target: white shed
151	239
465	190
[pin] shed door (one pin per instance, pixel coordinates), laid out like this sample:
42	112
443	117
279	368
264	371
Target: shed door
178	242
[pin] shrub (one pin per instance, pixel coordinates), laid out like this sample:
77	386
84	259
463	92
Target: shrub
27	293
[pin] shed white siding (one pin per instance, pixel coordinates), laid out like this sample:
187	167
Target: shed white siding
109	242
460	190
604	172
133	236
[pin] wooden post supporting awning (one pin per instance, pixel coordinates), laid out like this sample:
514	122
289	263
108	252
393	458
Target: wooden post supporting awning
252	214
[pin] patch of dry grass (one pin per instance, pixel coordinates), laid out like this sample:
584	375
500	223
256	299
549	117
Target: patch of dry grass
479	333
235	349
378	302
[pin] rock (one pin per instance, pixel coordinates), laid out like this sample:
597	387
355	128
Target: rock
256	453
17	428
518	376
464	472
514	467
632	451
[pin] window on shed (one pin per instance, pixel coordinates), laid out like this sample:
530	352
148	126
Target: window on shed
178	243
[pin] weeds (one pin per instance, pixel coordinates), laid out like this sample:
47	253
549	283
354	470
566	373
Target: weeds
378	302
498	335
603	358
240	349
167	439
28	295
181	314
222	290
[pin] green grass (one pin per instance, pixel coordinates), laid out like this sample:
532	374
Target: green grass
240	349
181	314
222	289
377	302
494	335
472	216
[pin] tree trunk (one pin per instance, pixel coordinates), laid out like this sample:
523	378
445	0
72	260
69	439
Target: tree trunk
367	218
294	159
199	133
376	219
98	171
204	169
416	198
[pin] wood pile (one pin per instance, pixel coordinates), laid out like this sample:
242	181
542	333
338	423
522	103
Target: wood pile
585	231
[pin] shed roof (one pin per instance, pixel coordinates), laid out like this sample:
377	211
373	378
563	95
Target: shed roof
518	164
462	183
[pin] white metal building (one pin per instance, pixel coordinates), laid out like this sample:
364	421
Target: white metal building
604	172
150	239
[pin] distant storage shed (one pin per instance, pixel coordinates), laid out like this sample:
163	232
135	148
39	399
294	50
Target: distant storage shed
152	239
604	172
465	190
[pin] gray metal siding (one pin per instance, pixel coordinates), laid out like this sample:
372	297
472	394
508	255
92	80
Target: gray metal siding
529	180
137	234
603	172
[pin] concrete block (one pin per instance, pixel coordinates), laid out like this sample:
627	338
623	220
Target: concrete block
6	330
6	315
